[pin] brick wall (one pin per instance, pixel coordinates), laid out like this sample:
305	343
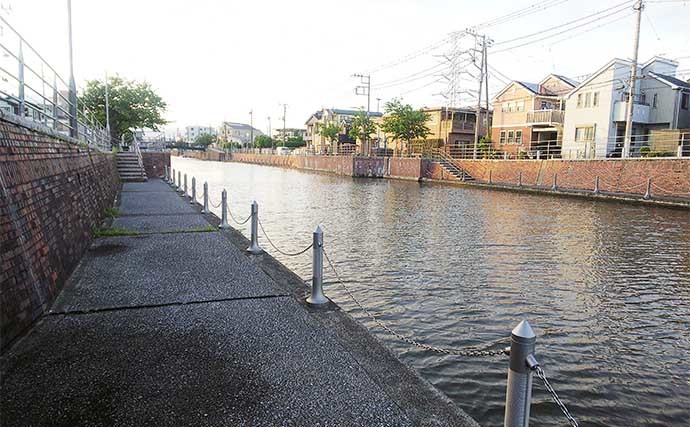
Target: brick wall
670	177
52	194
155	163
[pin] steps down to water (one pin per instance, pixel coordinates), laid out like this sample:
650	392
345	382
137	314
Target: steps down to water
129	168
452	169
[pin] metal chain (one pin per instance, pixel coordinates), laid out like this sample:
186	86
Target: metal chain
213	204
235	219
542	375
276	248
467	352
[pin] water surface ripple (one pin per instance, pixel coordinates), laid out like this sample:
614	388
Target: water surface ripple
606	286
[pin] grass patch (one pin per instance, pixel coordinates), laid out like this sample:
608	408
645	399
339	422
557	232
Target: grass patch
112	212
193	230
112	232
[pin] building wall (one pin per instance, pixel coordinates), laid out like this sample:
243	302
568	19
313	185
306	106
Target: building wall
54	193
599	117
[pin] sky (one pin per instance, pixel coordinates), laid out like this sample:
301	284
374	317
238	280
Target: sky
217	60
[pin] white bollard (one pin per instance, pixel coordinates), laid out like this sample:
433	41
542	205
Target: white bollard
254	247
205	209
193	200
317	297
224	210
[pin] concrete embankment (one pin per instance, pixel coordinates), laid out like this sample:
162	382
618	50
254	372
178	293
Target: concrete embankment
170	322
667	179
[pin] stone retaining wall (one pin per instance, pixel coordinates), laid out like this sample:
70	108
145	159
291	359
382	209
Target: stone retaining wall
155	163
53	193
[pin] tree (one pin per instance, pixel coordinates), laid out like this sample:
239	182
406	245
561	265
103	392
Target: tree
204	140
403	122
330	132
263	141
295	141
132	105
362	127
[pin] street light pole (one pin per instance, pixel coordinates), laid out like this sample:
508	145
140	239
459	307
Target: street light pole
284	114
74	131
270	135
251	128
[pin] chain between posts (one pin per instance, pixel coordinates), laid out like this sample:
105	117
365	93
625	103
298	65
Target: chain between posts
276	248
542	376
239	222
467	352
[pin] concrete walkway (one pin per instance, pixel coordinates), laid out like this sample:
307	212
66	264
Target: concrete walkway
185	328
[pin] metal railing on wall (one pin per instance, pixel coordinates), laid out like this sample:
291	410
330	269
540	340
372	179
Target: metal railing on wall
522	364
32	89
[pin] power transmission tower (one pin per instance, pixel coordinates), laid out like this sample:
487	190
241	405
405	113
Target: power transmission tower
365	89
633	75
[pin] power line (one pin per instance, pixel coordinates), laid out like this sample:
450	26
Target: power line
613	21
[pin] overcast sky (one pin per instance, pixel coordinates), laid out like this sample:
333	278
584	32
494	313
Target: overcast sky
216	60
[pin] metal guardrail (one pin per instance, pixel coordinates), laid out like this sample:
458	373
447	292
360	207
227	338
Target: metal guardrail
32	89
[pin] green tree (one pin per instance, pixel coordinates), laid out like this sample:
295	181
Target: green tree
330	132
295	141
263	141
132	105
362	127
204	140
403	122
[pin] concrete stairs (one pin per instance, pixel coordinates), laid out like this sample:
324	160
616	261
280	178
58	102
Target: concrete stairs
452	169
129	168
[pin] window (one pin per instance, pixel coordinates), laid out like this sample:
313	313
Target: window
588	100
520	106
518	137
511	106
504	107
684	101
503	137
643	98
654	101
595	99
511	137
583	134
579	100
546	105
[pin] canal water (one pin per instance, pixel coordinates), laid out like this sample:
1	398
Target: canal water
606	286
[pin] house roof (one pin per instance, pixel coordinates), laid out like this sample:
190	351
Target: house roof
353	112
532	87
670	80
598	72
571	82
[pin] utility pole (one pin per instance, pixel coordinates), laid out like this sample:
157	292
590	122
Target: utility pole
378	128
487	133
74	130
479	98
270	135
284	114
365	89
251	128
633	76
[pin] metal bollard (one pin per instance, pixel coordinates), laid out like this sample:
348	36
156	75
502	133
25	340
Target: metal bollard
519	390
193	200
317	297
166	174
596	185
205	209
520	179
224	210
173	183
254	247
184	190
648	193
555	182
179	181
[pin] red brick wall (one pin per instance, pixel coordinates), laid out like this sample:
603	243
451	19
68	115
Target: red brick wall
670	177
405	168
52	194
155	163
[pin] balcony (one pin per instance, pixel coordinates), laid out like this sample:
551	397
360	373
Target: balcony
545	117
640	112
459	127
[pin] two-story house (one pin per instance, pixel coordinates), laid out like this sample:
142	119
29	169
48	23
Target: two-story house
240	133
528	117
596	110
343	118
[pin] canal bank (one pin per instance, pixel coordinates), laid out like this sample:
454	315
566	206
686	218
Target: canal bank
654	181
168	321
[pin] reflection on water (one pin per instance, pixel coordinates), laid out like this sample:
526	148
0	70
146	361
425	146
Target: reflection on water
606	286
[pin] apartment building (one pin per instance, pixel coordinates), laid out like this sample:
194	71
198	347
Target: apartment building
528	117
193	132
596	109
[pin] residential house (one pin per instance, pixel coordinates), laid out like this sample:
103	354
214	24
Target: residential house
528	117
596	110
240	133
453	128
289	133
343	118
